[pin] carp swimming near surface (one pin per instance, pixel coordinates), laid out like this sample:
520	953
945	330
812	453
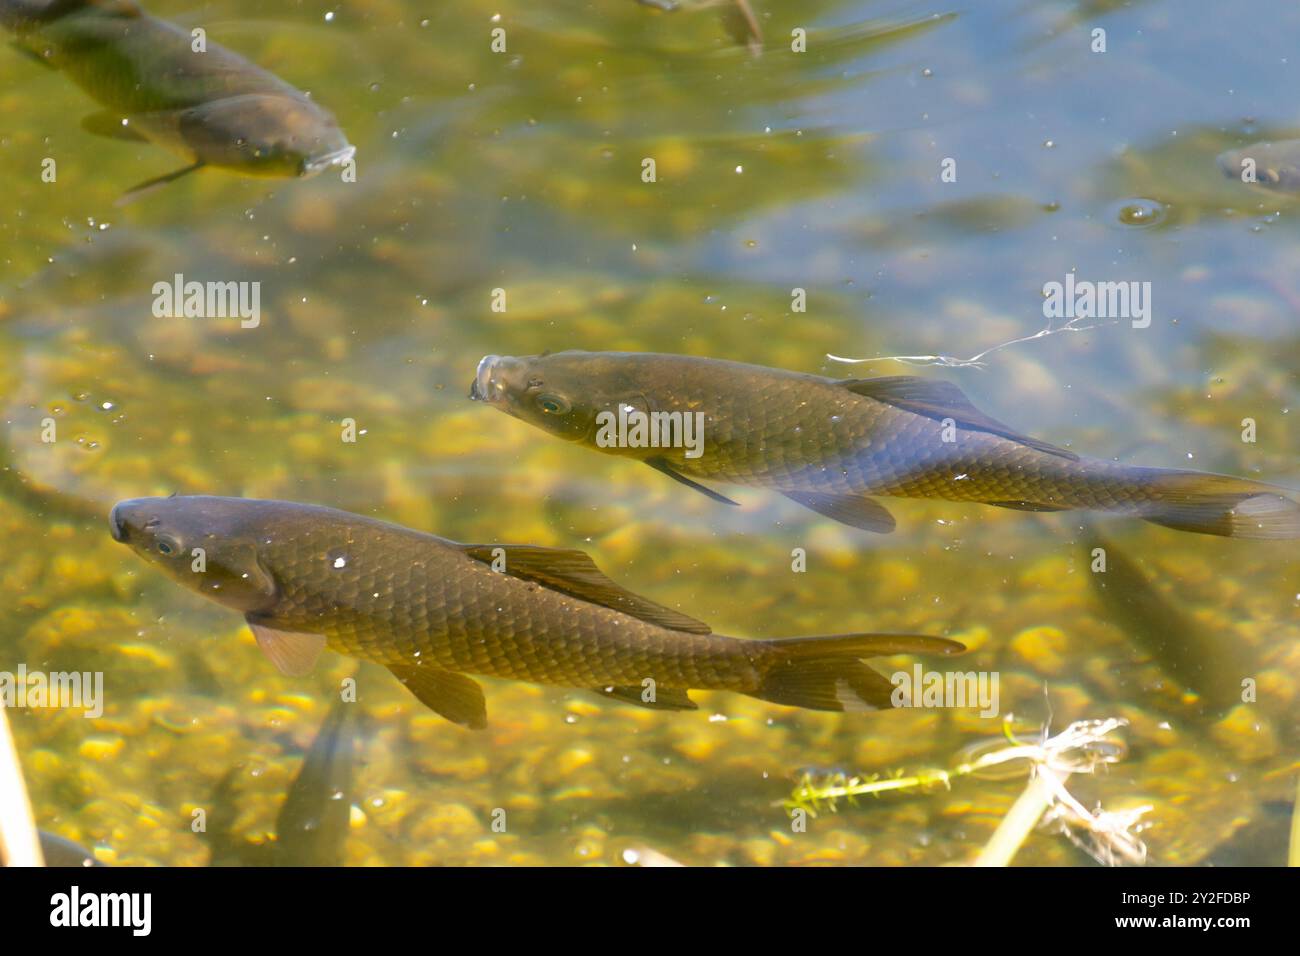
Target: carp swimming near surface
1275	165
434	611
210	106
737	15
831	444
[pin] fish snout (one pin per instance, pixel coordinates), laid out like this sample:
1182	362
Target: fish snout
479	388
497	379
117	522
340	156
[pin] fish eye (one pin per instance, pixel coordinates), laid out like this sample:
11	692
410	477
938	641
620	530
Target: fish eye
552	404
168	545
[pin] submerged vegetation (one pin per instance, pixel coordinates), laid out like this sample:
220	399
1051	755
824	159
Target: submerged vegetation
521	172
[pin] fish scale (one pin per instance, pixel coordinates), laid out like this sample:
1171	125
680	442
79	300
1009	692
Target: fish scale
464	616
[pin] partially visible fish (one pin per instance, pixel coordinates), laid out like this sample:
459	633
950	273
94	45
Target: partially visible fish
313	823
433	611
737	16
214	108
1200	661
61	852
829	444
1275	165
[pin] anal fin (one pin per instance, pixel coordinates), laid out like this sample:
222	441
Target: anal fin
454	696
857	512
665	698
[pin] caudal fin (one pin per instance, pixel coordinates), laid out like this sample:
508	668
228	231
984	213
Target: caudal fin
827	673
1217	504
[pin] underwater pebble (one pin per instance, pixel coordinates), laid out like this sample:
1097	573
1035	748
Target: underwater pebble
1042	648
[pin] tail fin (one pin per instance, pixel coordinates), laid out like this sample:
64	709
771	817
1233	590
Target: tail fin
1217	504
827	673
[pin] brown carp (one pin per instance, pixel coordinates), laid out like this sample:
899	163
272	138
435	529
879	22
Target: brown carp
1274	165
432	611
208	105
829	444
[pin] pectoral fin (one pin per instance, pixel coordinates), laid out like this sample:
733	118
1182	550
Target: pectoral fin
31	54
856	512
454	696
294	654
575	574
149	185
665	698
659	464
940	400
112	126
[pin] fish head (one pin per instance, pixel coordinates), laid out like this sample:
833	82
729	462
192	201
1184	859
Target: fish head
264	134
560	392
1272	165
209	545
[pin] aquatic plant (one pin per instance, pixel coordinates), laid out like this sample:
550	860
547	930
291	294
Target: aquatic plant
1083	747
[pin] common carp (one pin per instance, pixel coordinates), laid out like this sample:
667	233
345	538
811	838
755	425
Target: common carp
210	106
433	611
829	444
1203	662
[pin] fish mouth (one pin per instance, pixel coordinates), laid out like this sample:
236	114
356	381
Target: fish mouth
338	157
481	390
117	524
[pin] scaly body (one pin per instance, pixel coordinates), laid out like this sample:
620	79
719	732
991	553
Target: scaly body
830	444
429	609
211	106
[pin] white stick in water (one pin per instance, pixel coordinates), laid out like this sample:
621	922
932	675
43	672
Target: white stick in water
19	843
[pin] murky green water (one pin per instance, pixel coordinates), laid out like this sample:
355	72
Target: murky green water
522	171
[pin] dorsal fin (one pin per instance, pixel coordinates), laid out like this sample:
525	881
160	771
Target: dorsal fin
939	400
575	574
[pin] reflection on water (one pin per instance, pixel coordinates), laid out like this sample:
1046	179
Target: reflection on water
523	171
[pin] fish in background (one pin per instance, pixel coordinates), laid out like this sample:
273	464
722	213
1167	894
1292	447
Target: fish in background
1276	164
1203	663
213	108
313	822
737	17
434	611
830	444
1208	665
58	851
